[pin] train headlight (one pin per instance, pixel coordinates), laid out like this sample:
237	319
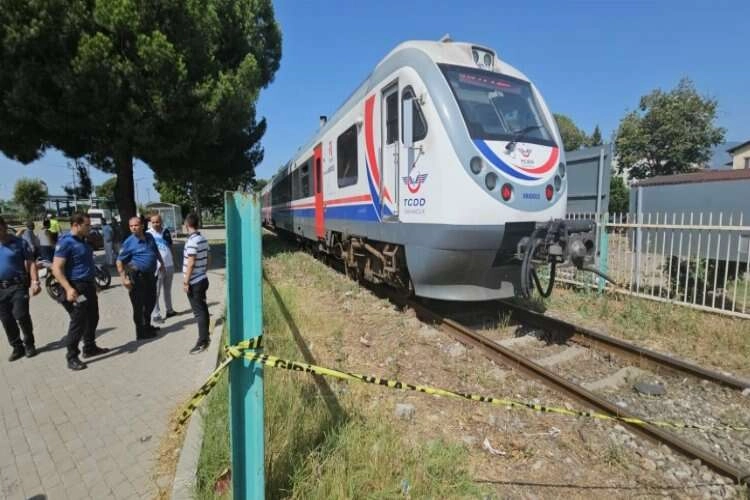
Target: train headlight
561	169
548	192
558	183
506	192
476	165
490	181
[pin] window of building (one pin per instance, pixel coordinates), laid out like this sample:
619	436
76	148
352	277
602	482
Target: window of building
346	156
747	162
419	124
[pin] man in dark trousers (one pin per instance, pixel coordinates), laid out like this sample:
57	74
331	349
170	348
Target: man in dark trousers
73	267
195	279
136	264
16	263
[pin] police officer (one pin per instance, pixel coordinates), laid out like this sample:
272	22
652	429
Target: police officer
136	264
73	267
16	263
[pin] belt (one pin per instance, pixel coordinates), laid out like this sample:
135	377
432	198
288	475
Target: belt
138	272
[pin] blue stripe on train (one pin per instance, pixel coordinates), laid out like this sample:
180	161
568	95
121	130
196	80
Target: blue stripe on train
349	212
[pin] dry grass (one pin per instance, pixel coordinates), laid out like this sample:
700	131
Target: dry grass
711	340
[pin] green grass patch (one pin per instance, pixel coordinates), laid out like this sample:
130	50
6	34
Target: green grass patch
320	442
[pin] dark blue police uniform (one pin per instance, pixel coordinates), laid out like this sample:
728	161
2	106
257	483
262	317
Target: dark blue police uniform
14	294
84	314
139	255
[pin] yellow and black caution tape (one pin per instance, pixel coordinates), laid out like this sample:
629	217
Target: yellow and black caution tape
232	353
241	351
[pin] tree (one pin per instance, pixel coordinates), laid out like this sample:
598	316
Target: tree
165	82
619	195
30	195
259	184
670	133
596	137
83	187
572	136
107	189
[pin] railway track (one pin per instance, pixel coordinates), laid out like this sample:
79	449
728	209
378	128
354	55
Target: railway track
566	331
505	356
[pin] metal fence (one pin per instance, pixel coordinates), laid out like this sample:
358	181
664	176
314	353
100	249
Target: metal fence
700	260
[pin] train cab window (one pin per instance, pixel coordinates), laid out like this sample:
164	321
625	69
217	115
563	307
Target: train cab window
346	156
419	124
391	118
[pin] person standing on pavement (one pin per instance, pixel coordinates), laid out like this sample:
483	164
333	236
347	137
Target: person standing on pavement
73	267
195	279
164	279
54	228
16	264
108	236
29	237
46	246
137	264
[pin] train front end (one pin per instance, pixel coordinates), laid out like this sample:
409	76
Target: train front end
504	175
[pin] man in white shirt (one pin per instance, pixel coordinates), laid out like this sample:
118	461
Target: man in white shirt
195	279
164	280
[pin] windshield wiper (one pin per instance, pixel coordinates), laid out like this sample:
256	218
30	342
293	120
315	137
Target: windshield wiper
518	134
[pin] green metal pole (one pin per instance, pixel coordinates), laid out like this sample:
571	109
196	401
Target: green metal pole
245	321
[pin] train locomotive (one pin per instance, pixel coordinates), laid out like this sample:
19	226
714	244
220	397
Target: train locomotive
442	174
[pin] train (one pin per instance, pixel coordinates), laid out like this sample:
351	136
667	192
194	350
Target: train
442	174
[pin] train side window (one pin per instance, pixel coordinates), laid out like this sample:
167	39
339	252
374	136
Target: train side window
391	118
346	156
304	179
419	125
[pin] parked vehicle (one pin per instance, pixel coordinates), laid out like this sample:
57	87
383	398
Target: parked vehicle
102	277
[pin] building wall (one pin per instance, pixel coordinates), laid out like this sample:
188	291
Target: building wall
741	157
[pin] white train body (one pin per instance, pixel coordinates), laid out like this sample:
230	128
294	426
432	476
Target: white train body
445	210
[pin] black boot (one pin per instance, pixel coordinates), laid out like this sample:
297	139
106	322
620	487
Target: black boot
18	353
76	364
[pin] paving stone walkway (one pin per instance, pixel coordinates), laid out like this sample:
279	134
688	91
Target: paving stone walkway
96	433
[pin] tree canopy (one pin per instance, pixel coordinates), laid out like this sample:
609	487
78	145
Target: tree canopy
573	137
83	186
172	83
107	188
670	133
596	137
30	195
619	195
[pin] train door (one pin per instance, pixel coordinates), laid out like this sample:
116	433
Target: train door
318	190
389	117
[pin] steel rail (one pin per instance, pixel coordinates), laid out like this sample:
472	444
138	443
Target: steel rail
503	355
642	355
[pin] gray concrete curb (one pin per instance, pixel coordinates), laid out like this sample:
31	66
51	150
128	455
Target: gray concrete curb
183	487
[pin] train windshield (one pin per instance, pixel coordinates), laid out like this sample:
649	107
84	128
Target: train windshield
497	107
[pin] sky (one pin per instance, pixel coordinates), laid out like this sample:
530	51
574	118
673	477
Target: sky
591	60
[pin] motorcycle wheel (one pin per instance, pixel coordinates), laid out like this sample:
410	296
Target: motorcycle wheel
103	277
53	288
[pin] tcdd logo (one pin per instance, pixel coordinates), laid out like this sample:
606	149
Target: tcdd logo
414	202
414	185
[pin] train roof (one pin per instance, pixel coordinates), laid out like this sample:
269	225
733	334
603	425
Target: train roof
445	51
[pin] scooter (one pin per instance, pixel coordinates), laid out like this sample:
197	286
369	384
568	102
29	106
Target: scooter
102	276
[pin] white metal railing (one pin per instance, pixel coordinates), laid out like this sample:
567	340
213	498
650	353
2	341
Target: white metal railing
700	260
